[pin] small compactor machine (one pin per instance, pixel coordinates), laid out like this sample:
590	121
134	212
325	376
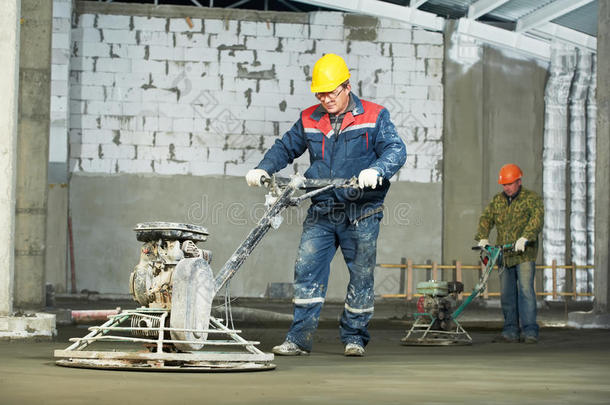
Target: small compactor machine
436	323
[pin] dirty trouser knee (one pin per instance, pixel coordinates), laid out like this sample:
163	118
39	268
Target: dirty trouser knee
518	299
312	268
359	247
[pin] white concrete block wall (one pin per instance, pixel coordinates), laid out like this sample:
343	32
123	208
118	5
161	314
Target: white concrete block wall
60	72
153	95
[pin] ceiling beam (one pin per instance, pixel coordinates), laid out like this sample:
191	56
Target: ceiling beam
382	9
482	7
504	38
559	32
548	13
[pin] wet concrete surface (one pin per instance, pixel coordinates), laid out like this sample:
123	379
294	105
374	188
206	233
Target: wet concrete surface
566	367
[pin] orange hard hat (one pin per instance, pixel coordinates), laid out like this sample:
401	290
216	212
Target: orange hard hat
509	174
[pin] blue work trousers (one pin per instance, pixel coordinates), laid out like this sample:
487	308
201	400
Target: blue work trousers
322	234
518	299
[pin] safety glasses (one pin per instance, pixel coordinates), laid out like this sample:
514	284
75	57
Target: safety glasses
330	94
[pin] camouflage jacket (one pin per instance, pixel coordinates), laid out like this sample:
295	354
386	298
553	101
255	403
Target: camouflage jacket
522	218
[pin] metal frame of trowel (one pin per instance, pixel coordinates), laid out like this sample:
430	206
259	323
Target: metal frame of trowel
421	332
248	359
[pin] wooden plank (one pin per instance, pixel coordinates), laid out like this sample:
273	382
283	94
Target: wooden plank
573	280
554	273
458	275
409	279
433	267
403	270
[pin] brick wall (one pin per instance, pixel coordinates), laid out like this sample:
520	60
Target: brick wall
208	96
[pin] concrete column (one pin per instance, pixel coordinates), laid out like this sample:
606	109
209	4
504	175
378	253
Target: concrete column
600	317
464	144
58	193
602	174
33	152
9	86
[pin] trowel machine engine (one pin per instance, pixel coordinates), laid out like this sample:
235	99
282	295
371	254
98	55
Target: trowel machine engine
438	300
165	245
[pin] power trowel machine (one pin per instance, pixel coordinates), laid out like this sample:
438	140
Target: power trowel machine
175	286
436	323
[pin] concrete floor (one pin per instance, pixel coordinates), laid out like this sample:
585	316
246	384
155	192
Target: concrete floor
566	367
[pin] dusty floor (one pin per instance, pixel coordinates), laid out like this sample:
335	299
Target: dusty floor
566	367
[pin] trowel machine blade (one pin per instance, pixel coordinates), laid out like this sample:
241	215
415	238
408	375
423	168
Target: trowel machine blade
193	292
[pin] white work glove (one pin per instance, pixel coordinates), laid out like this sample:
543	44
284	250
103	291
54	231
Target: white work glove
483	243
520	244
369	178
254	177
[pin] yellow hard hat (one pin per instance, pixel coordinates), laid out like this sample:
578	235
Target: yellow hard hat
328	73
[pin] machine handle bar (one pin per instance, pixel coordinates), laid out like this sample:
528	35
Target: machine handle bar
503	247
508	246
310	183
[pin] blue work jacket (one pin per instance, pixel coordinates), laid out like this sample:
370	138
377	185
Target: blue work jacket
367	139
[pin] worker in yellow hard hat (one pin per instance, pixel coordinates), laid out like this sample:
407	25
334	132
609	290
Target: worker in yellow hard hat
517	214
346	137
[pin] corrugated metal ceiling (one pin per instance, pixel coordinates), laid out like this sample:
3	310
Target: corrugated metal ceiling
515	9
583	19
447	8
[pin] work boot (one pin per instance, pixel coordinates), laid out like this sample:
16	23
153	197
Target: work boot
530	340
354	350
289	349
504	339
